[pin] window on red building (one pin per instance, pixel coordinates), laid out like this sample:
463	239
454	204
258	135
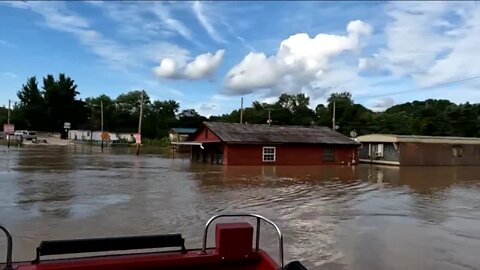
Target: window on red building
268	154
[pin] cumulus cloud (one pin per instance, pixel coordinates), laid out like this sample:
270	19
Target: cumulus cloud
203	66
300	64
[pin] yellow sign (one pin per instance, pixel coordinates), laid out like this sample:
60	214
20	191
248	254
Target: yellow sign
105	136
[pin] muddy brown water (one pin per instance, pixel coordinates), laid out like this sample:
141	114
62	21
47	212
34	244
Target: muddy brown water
338	217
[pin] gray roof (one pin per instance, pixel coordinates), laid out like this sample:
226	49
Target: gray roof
393	138
256	133
184	130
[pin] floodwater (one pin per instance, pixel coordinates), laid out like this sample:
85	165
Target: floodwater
339	217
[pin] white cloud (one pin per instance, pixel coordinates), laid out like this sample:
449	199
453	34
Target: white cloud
247	45
369	64
207	109
382	104
198	9
57	16
10	74
176	92
431	42
203	66
301	64
5	43
163	14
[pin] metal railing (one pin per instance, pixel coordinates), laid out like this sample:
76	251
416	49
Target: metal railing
8	263
257	232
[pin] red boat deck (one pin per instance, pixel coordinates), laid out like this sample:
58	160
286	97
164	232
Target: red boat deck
233	251
190	260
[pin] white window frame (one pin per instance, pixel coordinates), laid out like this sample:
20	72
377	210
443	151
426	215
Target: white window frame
269	154
380	150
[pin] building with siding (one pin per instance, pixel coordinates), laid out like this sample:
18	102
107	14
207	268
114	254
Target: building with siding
96	136
253	144
181	134
419	150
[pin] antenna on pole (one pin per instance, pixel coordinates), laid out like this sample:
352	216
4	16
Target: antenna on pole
241	111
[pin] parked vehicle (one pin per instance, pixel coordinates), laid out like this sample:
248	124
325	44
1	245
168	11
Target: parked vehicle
26	135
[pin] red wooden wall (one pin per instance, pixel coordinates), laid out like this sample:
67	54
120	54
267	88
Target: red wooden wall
287	154
205	135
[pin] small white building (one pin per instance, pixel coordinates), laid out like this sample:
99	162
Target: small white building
80	135
87	135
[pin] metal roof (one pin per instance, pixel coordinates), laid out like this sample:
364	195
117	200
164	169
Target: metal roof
257	133
417	139
184	130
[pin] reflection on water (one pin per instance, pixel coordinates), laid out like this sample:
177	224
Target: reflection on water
338	217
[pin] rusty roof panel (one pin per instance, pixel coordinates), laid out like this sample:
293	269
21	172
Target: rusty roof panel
257	133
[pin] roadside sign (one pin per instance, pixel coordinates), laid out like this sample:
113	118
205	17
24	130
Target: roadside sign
66	125
105	136
9	128
138	138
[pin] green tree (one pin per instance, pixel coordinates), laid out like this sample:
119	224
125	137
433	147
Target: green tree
190	118
161	117
110	120
128	110
61	103
32	105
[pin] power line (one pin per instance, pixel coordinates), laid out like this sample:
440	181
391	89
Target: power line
433	87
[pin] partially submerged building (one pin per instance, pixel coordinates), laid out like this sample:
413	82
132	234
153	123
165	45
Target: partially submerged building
181	134
96	136
419	150
254	144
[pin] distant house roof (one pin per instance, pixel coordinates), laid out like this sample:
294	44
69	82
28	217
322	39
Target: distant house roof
257	133
417	139
183	130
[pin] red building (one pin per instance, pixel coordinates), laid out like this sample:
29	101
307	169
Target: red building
253	144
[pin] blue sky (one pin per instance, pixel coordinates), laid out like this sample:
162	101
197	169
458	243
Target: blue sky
206	55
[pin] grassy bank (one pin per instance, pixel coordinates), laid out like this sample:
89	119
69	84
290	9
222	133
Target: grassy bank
12	142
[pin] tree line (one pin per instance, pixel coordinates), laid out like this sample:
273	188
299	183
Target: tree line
46	108
432	117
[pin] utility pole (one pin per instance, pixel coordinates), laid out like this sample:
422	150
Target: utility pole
101	121
269	121
8	118
91	125
140	122
333	119
8	122
241	111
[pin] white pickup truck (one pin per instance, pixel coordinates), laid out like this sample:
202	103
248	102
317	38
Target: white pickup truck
27	135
